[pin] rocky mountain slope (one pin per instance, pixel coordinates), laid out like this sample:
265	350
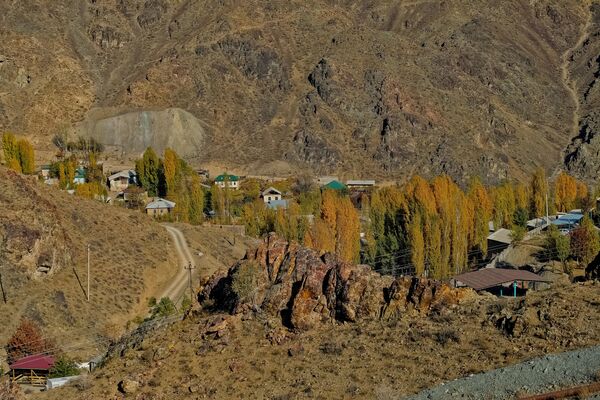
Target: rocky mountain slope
363	87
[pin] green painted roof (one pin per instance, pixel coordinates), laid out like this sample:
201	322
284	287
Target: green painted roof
231	178
335	185
80	173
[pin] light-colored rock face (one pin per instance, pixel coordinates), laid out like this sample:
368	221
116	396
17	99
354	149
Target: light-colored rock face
133	132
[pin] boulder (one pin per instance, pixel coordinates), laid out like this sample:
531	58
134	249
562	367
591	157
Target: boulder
128	386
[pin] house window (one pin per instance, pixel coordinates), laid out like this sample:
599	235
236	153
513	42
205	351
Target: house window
269	198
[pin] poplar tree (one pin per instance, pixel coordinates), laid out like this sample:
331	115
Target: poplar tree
417	244
539	191
26	156
482	206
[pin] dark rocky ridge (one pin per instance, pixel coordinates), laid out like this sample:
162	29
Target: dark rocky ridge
375	88
303	288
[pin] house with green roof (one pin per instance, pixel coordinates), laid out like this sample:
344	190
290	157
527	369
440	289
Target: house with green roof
228	181
334	185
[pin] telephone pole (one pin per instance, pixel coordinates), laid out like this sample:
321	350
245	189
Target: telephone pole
2	287
189	268
88	273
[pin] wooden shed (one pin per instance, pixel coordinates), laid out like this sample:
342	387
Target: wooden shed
32	370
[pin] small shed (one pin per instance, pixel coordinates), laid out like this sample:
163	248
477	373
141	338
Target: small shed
159	207
496	280
32	370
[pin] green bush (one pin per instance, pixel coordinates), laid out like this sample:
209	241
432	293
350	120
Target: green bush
64	366
163	308
245	282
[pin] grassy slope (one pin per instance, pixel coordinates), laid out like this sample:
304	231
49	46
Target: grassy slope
351	361
130	256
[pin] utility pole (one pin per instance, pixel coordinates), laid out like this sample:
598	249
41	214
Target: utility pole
2	287
189	268
88	273
547	219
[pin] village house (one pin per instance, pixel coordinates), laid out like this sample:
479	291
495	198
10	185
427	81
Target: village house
159	207
271	194
227	181
121	180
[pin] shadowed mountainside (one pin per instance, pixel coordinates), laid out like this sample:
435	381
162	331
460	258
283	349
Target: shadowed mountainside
364	87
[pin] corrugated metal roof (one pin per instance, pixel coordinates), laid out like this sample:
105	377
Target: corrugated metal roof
490	277
128	173
358	182
274	204
160	203
37	361
502	235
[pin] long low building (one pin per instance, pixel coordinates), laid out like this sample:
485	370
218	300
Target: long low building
497	279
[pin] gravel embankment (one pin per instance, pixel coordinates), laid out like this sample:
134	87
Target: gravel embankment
551	372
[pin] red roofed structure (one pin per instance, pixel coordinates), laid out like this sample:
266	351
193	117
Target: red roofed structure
32	370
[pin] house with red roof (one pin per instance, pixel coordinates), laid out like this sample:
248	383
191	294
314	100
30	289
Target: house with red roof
32	370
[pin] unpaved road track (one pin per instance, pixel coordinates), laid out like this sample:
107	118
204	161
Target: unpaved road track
552	372
180	282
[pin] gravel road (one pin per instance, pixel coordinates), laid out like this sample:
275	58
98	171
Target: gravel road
551	372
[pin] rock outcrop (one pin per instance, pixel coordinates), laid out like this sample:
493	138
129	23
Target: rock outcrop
305	288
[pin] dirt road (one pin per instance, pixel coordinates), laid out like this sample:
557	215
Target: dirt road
179	284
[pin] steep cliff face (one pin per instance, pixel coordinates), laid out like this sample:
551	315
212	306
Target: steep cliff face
375	88
583	155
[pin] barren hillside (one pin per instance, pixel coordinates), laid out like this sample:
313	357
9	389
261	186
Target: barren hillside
44	235
360	87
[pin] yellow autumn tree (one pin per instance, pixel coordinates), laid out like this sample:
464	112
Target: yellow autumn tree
565	192
26	156
320	237
482	205
417	244
539	191
170	165
347	230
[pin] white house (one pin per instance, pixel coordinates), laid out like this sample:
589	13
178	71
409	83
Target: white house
271	194
121	180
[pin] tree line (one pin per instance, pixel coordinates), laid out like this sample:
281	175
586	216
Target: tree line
434	227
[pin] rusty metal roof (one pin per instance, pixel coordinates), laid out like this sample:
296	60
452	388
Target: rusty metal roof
489	277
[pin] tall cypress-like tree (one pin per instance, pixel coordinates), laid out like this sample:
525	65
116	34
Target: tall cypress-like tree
539	191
